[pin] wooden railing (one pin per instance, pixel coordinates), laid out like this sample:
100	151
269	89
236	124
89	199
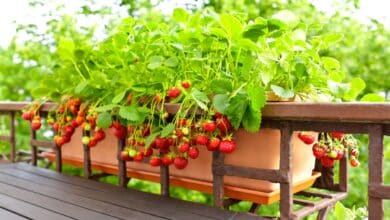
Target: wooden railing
355	118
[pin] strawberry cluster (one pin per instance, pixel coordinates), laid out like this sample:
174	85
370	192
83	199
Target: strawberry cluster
31	114
331	147
183	143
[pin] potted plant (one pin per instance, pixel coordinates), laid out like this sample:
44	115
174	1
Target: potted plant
193	83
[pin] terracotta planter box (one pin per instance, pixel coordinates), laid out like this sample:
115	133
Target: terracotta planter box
258	150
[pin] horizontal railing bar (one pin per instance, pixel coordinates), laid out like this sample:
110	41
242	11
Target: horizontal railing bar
379	191
252	173
47	144
314	194
5	138
304	202
319	205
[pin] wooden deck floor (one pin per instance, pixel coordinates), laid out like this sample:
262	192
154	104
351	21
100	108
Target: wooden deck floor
27	192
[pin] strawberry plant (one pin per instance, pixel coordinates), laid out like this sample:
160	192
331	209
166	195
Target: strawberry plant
217	70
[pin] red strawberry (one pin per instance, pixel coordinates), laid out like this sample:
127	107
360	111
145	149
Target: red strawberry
186	84
306	137
161	143
193	152
327	161
157	98
181	122
337	135
92	142
141	143
223	124
28	115
318	151
99	135
180	162
36	123
119	131
68	130
74	123
66	138
139	157
354	162
183	148
201	139
146	131
167	159
125	156
59	140
147	151
56	127
354	152
227	146
155	161
80	120
209	126
131	141
173	92
213	144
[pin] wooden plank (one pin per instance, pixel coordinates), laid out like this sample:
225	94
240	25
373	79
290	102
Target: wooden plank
5	138
24	208
87	158
133	197
50	203
12	137
252	173
45	144
375	170
123	201
96	206
5	214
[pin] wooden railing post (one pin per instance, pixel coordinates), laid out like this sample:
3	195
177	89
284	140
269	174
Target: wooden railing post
164	179
285	164
218	185
34	148
12	137
122	170
375	171
87	158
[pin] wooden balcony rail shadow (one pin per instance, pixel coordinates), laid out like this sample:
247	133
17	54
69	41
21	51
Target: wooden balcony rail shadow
353	118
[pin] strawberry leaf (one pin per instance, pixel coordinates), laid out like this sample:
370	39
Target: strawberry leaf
104	120
105	108
281	92
200	98
257	97
220	102
251	119
236	109
119	97
130	113
167	130
221	86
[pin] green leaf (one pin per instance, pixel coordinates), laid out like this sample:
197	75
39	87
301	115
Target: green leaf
257	97
281	92
119	97
236	109
167	130
180	15
232	25
287	17
80	87
155	62
337	76
151	138
332	38
200	98
129	113
338	89
220	102
254	31
330	64
357	85
104	120
221	86
251	119
66	48
372	97
342	212
105	108
41	92
171	62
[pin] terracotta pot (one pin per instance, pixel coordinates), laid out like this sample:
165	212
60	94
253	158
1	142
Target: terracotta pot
258	150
